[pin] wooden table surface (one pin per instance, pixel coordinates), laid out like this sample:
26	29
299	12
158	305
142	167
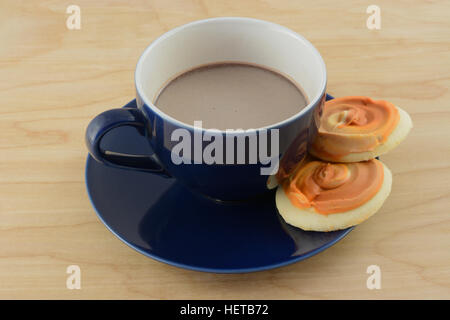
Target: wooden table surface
54	80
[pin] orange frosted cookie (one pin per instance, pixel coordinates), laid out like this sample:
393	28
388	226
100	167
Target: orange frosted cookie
357	128
324	196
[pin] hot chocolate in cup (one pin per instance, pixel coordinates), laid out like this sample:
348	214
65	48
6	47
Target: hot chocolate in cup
221	163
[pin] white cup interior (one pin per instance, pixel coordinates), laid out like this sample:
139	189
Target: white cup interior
230	39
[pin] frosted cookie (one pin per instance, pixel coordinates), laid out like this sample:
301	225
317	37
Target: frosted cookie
355	129
323	196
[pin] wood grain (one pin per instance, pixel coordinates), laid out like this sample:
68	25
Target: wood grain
54	80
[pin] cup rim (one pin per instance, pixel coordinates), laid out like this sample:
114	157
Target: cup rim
178	123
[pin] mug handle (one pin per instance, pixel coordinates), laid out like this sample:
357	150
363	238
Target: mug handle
109	120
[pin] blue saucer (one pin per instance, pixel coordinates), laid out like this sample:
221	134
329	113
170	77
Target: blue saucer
163	220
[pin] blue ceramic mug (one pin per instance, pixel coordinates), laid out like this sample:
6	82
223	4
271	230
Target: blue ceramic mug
210	41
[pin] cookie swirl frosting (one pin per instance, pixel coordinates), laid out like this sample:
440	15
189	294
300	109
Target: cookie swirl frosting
334	187
354	124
